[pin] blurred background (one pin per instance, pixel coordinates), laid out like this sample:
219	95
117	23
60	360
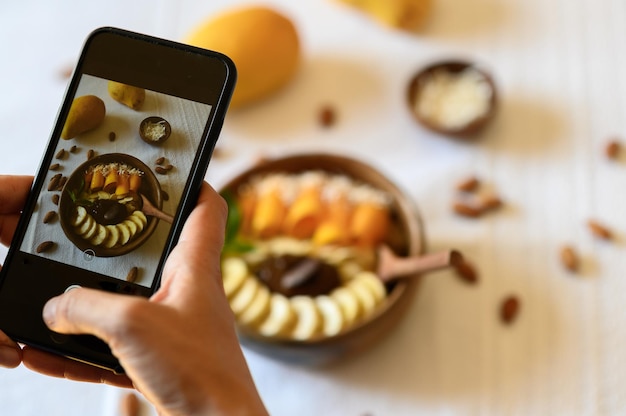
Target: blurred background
559	71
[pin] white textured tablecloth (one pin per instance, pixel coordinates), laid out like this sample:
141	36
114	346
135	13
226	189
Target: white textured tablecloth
560	69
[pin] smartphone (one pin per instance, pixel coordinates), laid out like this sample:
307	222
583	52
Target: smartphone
122	171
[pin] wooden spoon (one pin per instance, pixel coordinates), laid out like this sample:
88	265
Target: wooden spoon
153	211
391	267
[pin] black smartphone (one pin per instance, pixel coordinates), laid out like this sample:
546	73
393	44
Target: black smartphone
121	173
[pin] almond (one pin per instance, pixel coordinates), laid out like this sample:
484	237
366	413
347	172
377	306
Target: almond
45	246
466	272
613	149
467	210
470	184
60	154
509	309
599	230
54	182
327	116
132	275
90	154
49	217
569	258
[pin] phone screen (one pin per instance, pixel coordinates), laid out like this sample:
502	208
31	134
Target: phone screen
111	191
122	170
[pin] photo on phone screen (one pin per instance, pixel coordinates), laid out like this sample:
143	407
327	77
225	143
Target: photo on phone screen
116	186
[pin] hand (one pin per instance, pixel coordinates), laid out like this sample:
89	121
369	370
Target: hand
179	347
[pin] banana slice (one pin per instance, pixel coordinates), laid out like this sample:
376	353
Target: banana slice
80	214
101	234
309	320
332	317
134	228
281	318
373	283
234	273
137	221
85	225
91	231
258	309
141	216
113	238
244	296
124	232
363	294
348	303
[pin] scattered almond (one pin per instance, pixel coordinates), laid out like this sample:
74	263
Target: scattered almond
54	166
613	149
54	182
599	230
327	116
569	258
468	185
132	275
60	154
509	309
112	136
49	217
45	246
90	154
73	149
160	160
466	210
55	199
466	272
161	170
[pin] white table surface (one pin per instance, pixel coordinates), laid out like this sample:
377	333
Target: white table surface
560	66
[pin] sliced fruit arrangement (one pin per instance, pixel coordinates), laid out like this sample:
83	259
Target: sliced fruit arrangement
107	207
311	239
267	289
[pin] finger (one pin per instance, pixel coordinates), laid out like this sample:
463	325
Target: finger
10	352
13	193
197	253
58	366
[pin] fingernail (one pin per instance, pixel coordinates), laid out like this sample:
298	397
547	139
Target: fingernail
49	311
9	357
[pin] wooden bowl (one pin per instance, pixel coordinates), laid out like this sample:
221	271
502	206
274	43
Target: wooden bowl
406	238
153	120
150	187
416	87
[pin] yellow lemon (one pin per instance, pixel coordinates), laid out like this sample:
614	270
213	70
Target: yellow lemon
263	43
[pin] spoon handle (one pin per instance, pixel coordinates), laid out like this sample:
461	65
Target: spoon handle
391	267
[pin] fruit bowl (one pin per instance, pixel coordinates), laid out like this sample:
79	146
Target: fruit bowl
148	187
404	235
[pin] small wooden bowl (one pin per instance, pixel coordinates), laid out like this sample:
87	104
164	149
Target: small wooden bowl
416	86
147	122
406	237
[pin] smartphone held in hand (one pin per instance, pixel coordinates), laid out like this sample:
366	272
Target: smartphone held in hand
121	173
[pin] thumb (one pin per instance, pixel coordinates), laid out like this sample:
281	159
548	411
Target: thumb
90	311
